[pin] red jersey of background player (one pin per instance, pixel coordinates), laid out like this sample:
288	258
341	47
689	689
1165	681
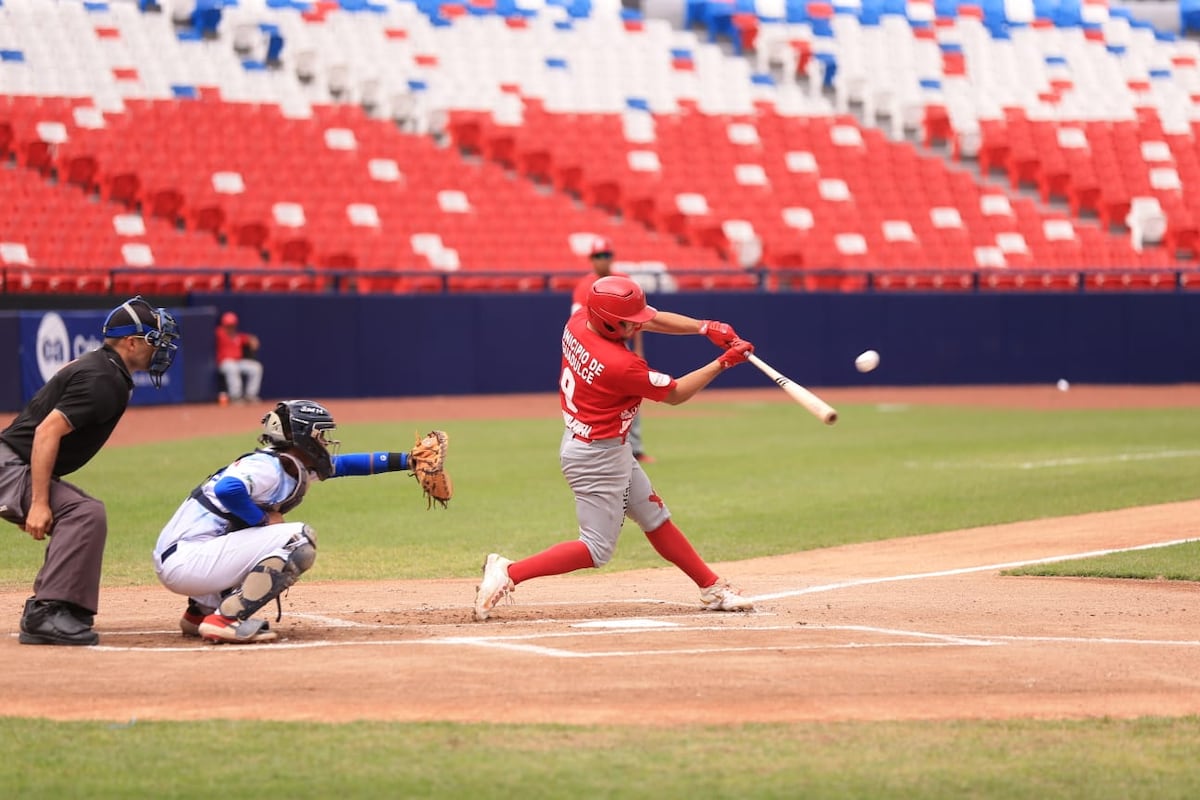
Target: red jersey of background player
231	346
603	382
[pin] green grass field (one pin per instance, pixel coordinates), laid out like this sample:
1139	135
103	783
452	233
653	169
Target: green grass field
743	480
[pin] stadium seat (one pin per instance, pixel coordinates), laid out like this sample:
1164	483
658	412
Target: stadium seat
1080	102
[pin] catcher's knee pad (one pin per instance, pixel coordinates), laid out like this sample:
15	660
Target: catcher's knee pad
303	548
273	576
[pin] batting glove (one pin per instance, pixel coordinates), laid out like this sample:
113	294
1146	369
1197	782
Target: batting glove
721	334
738	350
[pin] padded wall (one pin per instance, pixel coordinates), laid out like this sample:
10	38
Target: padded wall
378	346
387	346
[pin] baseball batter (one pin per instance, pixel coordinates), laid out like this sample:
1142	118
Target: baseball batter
228	546
601	387
601	259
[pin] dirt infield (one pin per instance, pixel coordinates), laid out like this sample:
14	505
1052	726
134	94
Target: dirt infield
918	628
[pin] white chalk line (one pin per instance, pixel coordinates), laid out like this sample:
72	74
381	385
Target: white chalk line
946	573
524	643
1051	463
521	641
517	642
340	622
698	651
1097	640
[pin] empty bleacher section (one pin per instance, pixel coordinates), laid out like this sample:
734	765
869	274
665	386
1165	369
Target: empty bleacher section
301	146
1080	103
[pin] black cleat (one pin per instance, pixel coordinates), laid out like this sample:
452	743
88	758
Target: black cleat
56	622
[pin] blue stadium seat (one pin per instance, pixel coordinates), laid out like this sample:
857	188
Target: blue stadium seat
1189	15
945	8
1045	9
274	42
1069	14
871	11
797	11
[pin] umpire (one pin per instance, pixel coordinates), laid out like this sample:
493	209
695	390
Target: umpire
61	429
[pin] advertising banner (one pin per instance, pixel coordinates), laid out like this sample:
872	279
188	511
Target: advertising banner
49	339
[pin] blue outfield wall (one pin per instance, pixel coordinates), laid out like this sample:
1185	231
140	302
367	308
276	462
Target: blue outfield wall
10	362
382	346
330	346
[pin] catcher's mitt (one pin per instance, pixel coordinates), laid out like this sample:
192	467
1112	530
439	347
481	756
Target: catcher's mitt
427	460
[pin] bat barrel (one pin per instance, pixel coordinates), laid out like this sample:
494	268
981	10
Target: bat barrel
811	403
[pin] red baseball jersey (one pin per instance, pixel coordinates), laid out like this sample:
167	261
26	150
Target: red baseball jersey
602	383
230	346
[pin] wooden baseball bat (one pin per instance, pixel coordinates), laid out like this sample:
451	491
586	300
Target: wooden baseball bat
812	404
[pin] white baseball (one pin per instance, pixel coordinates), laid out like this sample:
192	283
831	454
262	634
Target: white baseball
1063	385
867	361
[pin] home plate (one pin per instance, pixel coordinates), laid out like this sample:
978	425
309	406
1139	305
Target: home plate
625	623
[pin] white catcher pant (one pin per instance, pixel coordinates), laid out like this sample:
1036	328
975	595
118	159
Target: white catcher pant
204	569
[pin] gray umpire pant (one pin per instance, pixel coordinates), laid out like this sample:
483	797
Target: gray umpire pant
75	547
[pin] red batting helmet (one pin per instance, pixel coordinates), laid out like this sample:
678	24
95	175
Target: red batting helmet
229	318
615	299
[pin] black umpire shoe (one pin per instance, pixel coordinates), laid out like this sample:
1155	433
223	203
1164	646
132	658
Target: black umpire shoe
56	622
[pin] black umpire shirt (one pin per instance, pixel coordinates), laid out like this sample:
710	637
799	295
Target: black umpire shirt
93	392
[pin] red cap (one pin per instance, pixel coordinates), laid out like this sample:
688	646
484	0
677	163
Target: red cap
229	318
601	247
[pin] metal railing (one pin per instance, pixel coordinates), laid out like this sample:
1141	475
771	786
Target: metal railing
18	280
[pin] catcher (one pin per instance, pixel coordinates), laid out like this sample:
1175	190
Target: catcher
228	547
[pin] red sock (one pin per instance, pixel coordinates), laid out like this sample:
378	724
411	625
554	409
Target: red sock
562	557
672	545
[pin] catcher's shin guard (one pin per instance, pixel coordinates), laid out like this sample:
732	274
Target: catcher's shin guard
271	577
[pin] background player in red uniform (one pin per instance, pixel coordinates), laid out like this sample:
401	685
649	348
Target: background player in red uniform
601	386
237	360
601	259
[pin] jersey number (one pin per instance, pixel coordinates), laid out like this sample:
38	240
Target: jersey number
567	384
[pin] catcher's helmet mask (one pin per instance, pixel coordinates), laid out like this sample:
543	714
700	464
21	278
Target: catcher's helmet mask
304	425
136	317
615	299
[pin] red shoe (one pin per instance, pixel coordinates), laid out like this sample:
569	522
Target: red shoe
643	458
189	623
221	629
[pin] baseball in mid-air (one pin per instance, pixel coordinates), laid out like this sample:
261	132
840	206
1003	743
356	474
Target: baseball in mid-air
1063	385
867	361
